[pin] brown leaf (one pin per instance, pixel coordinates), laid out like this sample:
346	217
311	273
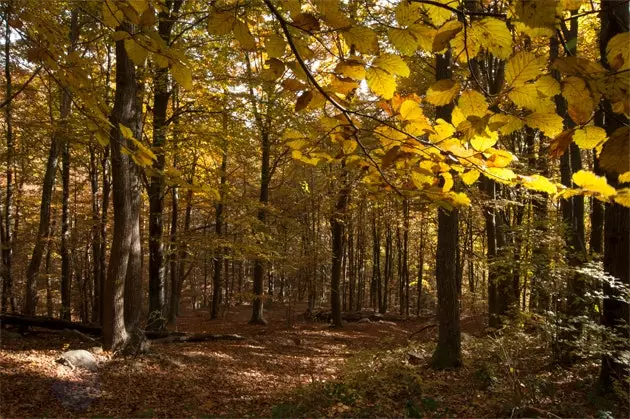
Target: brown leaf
303	100
306	21
390	157
614	157
560	143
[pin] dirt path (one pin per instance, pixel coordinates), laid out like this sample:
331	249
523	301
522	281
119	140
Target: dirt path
227	378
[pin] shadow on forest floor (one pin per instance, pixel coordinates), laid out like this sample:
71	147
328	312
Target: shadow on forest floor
365	369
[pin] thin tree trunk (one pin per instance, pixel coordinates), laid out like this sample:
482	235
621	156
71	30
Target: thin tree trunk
337	227
218	258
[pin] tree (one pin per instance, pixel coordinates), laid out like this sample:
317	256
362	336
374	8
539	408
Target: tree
125	183
447	354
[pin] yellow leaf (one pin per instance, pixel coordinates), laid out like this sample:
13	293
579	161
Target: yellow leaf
539	183
407	13
459	199
136	52
442	131
352	69
618	53
112	15
125	131
332	14
102	138
221	23
505	124
275	46
445	34
404	40
183	75
528	96
472	102
393	64
348	146
500	174
521	68
470	176
421	180
343	85
410	110
439	15
547	86
364	39
381	82
243	36
550	124
623	197
498	158
590	182
297	144
139	5
484	141
442	92
534	17
448	181
589	137
424	35
494	35
624	177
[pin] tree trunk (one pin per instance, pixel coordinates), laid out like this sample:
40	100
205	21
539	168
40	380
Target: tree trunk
448	351
337	227
7	240
125	188
615	20
218	258
161	95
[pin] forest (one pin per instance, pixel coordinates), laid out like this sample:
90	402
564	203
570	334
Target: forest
315	208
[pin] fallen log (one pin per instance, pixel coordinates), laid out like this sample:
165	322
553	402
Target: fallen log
48	323
203	337
81	328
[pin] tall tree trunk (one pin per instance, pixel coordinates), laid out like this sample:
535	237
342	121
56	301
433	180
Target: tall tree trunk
615	20
125	188
218	257
337	227
96	238
7	249
375	284
448	351
66	258
161	95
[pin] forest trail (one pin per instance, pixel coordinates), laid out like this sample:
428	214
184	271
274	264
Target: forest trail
226	378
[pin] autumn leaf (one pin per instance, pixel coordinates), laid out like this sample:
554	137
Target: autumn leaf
303	100
592	183
381	82
560	143
351	68
442	92
614	155
363	38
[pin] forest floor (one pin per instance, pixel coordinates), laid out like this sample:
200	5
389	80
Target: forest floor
298	369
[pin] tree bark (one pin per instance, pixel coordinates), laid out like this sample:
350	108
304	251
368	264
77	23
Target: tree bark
125	188
448	351
337	227
218	257
161	95
614	20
